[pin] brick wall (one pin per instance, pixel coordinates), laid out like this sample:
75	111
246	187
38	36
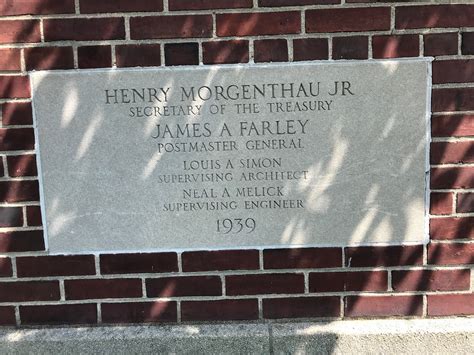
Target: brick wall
411	281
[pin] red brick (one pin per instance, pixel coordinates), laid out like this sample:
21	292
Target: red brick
102	288
182	26
225	52
271	50
220	260
307	258
17	191
136	55
452	125
22	165
12	87
348	20
176	5
453	71
94	6
139	312
395	46
350	47
384	256
301	307
7	315
452	178
431	280
264	284
84	29
94	57
452	152
182	54
465	202
17	139
452	228
10	59
184	286
24	291
59	314
310	49
272	3
383	306
33	216
457	99
348	281
45	58
138	263
451	305
35	7
11	217
220	310
440	44
254	24
467	44
434	16
14	113
20	31
451	254
441	203
21	241
60	265
5	267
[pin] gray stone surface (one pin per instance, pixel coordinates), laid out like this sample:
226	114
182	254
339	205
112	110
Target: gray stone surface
348	171
435	336
189	339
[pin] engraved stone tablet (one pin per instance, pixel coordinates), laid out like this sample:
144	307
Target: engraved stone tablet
309	154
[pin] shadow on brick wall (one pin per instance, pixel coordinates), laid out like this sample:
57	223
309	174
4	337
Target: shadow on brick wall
18	139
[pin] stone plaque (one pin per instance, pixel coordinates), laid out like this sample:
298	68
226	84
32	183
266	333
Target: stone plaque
308	154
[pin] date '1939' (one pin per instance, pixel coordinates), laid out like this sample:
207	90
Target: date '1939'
236	225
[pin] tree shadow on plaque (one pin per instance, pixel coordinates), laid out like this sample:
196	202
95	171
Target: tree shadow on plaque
320	197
